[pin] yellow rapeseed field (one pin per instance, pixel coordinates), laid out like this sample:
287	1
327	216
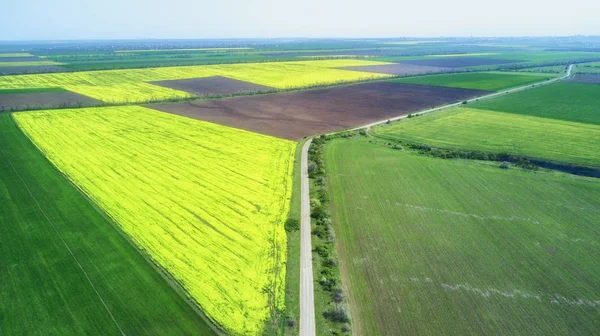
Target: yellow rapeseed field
130	85
206	202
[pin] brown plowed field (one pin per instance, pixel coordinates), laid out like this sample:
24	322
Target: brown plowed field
212	86
587	79
457	62
27	69
293	115
398	69
21	101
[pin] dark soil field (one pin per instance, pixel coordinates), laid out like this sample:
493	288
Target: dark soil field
457	62
294	115
587	79
30	69
20	101
212	86
398	69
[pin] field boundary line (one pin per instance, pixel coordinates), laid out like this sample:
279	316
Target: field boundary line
64	243
307	294
443	107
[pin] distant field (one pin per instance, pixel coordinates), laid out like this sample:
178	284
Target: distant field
436	247
495	132
32	63
564	101
205	201
62	260
15	55
492	81
130	85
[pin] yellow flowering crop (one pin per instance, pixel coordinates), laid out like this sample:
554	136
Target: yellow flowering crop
206	202
279	75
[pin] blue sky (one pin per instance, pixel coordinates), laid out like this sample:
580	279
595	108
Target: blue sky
121	19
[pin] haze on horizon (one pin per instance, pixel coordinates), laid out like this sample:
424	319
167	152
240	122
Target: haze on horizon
132	19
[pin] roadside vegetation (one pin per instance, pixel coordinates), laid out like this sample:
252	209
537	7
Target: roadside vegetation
331	309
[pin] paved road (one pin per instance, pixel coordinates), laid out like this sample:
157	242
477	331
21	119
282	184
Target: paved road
307	296
520	88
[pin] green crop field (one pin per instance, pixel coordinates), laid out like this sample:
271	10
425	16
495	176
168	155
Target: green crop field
496	132
30	63
130	85
206	202
433	247
492	81
564	101
65	269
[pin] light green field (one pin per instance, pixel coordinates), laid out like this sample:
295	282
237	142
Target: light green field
445	247
495	132
32	63
205	201
491	81
576	102
131	85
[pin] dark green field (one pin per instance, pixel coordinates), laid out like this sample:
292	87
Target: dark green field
444	247
564	101
65	269
492	81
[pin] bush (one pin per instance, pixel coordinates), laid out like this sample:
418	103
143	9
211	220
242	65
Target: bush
290	322
329	262
328	283
338	295
292	224
337	314
505	165
322	251
346	328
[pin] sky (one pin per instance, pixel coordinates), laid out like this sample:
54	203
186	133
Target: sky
128	19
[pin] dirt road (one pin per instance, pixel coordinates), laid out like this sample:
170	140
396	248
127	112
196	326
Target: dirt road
307	298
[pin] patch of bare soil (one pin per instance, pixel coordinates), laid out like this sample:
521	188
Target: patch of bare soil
212	86
293	115
398	69
457	62
23	101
